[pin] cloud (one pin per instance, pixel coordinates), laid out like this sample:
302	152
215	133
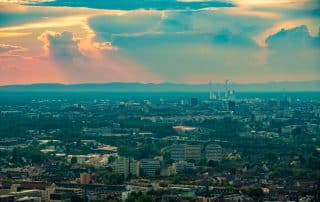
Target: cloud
14	14
311	24
295	38
25	1
150	40
210	43
239	11
143	29
105	46
62	46
11	49
134	22
63	49
291	4
227	38
138	4
184	24
176	22
294	52
176	55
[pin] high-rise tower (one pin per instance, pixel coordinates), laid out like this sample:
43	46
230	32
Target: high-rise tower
227	90
212	96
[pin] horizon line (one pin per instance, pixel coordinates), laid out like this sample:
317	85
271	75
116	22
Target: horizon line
154	83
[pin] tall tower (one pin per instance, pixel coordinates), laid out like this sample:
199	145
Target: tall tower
227	90
211	93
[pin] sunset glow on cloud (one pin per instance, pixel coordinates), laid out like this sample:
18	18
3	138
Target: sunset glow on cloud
63	41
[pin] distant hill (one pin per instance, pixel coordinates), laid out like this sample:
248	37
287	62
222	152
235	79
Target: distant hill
164	87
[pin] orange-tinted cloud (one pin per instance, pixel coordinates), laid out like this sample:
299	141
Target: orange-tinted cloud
10	49
313	27
86	45
63	48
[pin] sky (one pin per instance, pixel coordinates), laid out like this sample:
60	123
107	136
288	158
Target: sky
183	41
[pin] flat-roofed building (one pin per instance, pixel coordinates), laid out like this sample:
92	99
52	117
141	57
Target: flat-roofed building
213	152
126	167
182	166
182	152
193	152
150	167
6	198
178	152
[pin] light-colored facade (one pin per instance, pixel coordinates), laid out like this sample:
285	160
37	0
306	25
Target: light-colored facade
126	166
184	152
214	152
182	166
178	152
193	152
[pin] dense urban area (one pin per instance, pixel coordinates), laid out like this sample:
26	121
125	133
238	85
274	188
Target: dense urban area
160	147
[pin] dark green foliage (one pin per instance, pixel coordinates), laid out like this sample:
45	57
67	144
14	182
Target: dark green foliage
145	151
104	200
31	154
15	126
73	160
226	127
111	159
272	157
256	193
314	163
110	178
162	131
213	164
159	130
144	198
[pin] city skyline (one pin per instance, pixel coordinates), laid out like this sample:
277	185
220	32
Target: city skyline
185	41
159	100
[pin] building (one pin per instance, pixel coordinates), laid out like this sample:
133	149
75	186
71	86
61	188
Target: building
193	152
213	152
29	199
60	197
134	168
184	152
212	96
140	185
194	101
85	178
182	166
69	191
231	105
178	152
7	198
32	195
80	159
150	167
229	93
78	192
127	167
26	190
